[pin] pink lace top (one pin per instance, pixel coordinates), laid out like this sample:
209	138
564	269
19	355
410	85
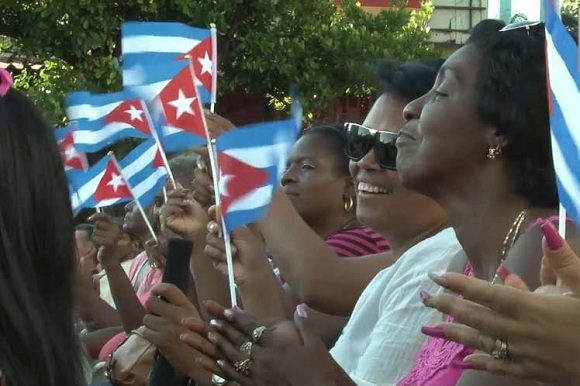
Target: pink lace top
434	362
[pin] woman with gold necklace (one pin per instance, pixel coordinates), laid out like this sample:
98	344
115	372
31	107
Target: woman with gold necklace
479	144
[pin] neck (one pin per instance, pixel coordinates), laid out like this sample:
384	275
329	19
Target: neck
402	238
325	226
482	214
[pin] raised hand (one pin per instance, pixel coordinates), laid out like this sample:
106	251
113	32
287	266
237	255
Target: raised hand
183	215
106	235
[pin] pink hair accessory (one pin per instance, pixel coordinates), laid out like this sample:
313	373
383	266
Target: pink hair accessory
5	81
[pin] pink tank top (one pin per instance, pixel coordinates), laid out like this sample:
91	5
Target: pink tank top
434	362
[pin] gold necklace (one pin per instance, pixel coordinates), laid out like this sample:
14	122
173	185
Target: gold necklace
510	239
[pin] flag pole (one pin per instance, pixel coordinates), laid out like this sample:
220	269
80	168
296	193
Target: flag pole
214	172
160	147
145	218
562	221
213	32
98	209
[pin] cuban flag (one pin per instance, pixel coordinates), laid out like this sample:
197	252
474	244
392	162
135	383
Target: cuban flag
145	43
251	160
105	183
102	119
73	160
174	101
564	97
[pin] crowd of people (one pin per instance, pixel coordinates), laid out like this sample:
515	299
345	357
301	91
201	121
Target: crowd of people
417	248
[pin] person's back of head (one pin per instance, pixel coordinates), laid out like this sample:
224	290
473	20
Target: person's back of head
512	96
37	341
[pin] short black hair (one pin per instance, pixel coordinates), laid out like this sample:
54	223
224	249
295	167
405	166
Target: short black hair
512	96
335	137
409	80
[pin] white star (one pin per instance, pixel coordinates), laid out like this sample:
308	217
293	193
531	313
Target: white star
116	181
135	113
223	183
206	64
70	153
182	104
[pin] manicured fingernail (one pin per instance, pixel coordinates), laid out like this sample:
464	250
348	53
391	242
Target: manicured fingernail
229	313
221	363
301	311
424	295
552	236
216	323
441	280
212	337
462	365
503	272
435	332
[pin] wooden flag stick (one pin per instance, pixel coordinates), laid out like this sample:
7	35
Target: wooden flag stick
145	218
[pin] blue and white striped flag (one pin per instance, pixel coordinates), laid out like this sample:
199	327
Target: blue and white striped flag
564	94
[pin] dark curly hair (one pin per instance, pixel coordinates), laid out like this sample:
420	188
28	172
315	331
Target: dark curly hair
512	96
336	139
409	80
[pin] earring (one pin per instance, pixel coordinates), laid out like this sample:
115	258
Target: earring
348	204
494	152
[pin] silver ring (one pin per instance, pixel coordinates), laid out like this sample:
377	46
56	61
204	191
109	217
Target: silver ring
243	367
500	351
246	349
257	333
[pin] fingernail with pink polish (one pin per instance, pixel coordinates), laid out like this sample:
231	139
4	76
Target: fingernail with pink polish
441	280
221	363
435	332
301	311
462	365
552	236
424	295
503	272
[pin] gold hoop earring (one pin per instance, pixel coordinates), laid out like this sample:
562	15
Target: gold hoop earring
348	204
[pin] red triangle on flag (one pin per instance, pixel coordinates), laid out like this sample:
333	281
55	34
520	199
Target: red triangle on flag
112	184
238	179
132	112
181	104
201	57
158	160
71	157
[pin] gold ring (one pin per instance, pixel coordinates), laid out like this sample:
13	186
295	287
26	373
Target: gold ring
246	349
243	367
257	333
500	351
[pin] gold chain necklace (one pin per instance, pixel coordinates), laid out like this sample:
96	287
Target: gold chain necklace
510	239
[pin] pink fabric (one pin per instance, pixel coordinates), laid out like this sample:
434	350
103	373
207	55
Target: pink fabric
154	276
434	362
359	241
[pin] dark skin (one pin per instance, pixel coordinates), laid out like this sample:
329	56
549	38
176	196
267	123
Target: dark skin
443	154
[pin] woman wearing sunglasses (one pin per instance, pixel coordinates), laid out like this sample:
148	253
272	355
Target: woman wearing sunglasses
479	144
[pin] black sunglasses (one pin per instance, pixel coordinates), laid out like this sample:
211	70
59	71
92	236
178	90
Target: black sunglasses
360	140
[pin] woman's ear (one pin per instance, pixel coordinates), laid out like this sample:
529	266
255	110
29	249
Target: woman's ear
349	188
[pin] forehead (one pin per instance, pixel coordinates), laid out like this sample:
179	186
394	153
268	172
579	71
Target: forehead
386	113
310	146
462	65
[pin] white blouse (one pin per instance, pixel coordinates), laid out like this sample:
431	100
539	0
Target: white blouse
382	337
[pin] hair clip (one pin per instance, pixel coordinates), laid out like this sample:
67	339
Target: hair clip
5	81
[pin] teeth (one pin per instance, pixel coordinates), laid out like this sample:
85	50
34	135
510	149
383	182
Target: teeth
368	188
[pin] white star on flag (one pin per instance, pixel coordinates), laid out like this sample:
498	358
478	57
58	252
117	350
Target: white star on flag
135	113
182	104
223	183
206	64
70	153
116	181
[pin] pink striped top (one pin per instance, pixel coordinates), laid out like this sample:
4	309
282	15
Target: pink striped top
359	241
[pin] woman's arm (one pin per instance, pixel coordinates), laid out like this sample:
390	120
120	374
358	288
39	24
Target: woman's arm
316	274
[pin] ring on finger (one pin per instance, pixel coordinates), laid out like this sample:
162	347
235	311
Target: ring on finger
246	349
257	333
500	350
218	381
243	367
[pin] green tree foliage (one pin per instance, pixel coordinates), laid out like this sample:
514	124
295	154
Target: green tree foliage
264	45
